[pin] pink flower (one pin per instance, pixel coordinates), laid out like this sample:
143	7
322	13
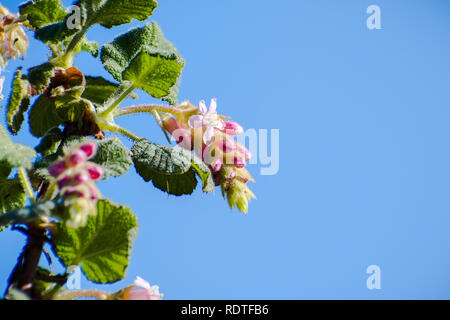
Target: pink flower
232	128
90	149
95	171
77	158
57	168
146	292
208	120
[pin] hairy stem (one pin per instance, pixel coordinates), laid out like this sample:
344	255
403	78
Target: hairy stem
146	109
77	39
100	295
25	182
127	133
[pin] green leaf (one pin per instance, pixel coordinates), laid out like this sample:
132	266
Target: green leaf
43	116
12	195
113	156
171	169
28	214
72	111
144	57
98	90
205	174
40	76
54	33
90	46
43	12
110	13
13	154
50	142
18	103
103	246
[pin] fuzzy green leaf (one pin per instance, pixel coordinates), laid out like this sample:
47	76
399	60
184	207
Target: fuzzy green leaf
13	154
72	111
50	142
171	169
55	32
90	46
43	12
110	13
18	102
12	195
103	246
43	116
144	57
40	76
113	156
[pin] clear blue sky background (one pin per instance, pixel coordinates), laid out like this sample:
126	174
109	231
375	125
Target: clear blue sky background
364	174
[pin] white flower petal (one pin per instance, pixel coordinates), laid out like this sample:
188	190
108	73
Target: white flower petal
196	121
139	282
213	106
209	135
202	107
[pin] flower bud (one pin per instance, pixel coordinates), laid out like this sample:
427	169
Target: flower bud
170	124
232	128
64	181
77	158
239	161
95	172
57	168
90	149
217	165
94	193
74	192
80	178
244	151
146	293
226	145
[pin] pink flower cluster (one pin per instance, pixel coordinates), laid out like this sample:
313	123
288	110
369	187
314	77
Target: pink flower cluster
210	136
141	290
75	177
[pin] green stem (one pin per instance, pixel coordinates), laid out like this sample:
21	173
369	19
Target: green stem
125	132
26	184
100	295
118	101
77	39
158	119
146	109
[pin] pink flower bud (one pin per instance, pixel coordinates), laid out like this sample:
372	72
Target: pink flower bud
244	151
183	138
74	192
64	181
226	145
90	149
57	168
94	193
95	172
217	165
232	128
80	178
239	161
171	124
77	158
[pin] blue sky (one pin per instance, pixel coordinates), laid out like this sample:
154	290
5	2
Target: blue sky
364	173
